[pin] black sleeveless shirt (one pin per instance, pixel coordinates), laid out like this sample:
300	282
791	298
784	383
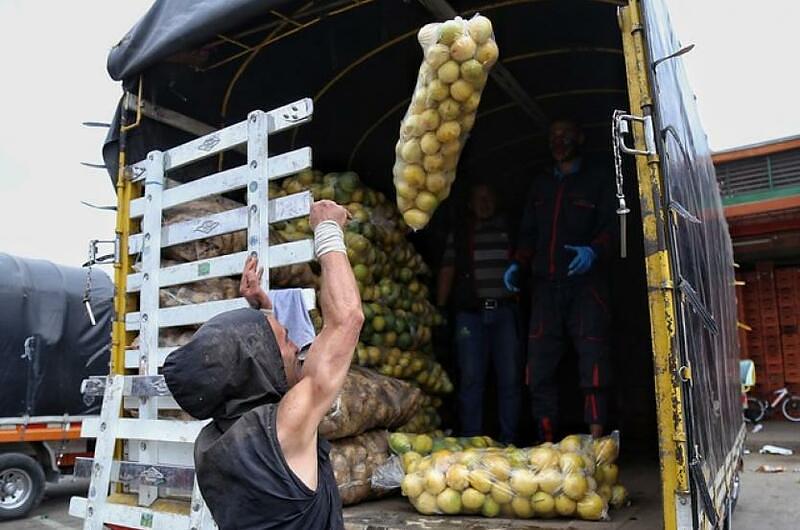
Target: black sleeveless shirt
247	483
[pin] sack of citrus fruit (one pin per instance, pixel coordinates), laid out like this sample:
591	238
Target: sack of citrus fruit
546	481
458	55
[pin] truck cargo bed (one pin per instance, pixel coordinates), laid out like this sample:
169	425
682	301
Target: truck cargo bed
396	513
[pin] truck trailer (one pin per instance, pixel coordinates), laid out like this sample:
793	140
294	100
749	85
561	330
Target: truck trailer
208	92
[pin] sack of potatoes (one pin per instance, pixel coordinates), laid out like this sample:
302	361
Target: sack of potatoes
458	55
370	401
354	461
546	481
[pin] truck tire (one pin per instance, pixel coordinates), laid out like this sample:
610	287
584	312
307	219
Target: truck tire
21	485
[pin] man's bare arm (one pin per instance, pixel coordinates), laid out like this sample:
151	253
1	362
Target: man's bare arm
329	356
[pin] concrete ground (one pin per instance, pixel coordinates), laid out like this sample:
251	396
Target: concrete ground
768	500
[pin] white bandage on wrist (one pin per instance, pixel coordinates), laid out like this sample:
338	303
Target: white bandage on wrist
328	237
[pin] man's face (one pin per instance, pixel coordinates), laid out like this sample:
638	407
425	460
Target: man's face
289	352
482	202
565	141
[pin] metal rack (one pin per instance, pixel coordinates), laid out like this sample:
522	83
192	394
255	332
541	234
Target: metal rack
158	453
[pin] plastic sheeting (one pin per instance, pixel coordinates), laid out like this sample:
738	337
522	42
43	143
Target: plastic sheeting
702	255
44	301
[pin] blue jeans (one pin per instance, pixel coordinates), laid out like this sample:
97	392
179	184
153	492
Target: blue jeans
480	335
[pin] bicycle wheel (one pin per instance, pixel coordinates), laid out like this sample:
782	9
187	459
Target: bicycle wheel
791	408
754	412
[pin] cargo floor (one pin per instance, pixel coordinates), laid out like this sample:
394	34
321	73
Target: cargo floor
641	479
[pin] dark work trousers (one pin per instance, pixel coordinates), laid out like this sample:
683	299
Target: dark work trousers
562	312
481	335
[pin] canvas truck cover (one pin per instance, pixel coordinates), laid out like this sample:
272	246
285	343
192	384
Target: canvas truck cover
45	301
216	61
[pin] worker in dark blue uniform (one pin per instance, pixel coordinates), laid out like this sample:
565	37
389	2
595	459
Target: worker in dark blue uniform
565	242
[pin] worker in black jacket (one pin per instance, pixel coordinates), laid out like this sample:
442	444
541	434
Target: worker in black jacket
565	242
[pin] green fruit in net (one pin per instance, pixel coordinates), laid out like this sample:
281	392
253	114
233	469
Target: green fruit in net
449	109
575	485
490	507
449	501
523	482
497	466
460	91
619	496
435	482
549	480
463	48
591	507
457	477
361	272
544	505
543	458
399	443
404	341
409	461
501	493
423	444
412	485
348	181
570	462
517	458
425	503
449	31
565	507
378	323
571	444
472	500
481	480
479	28
487	53
522	507
610	474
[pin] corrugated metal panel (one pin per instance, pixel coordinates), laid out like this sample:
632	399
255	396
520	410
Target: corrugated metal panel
759	173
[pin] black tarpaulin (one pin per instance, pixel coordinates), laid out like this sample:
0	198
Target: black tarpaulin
218	60
702	256
42	303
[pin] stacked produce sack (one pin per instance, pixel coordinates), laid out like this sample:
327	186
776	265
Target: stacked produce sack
355	461
575	478
391	275
458	55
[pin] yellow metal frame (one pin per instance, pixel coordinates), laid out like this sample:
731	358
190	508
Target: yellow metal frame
126	191
669	399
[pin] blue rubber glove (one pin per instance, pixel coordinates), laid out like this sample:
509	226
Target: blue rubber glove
511	278
583	260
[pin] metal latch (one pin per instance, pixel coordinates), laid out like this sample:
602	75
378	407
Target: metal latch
622	126
94	259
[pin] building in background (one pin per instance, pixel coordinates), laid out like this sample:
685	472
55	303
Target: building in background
760	186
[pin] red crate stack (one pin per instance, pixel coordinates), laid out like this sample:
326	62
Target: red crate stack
770	327
741	317
787	286
764	341
752	317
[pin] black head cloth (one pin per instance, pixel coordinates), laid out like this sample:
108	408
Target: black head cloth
231	365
